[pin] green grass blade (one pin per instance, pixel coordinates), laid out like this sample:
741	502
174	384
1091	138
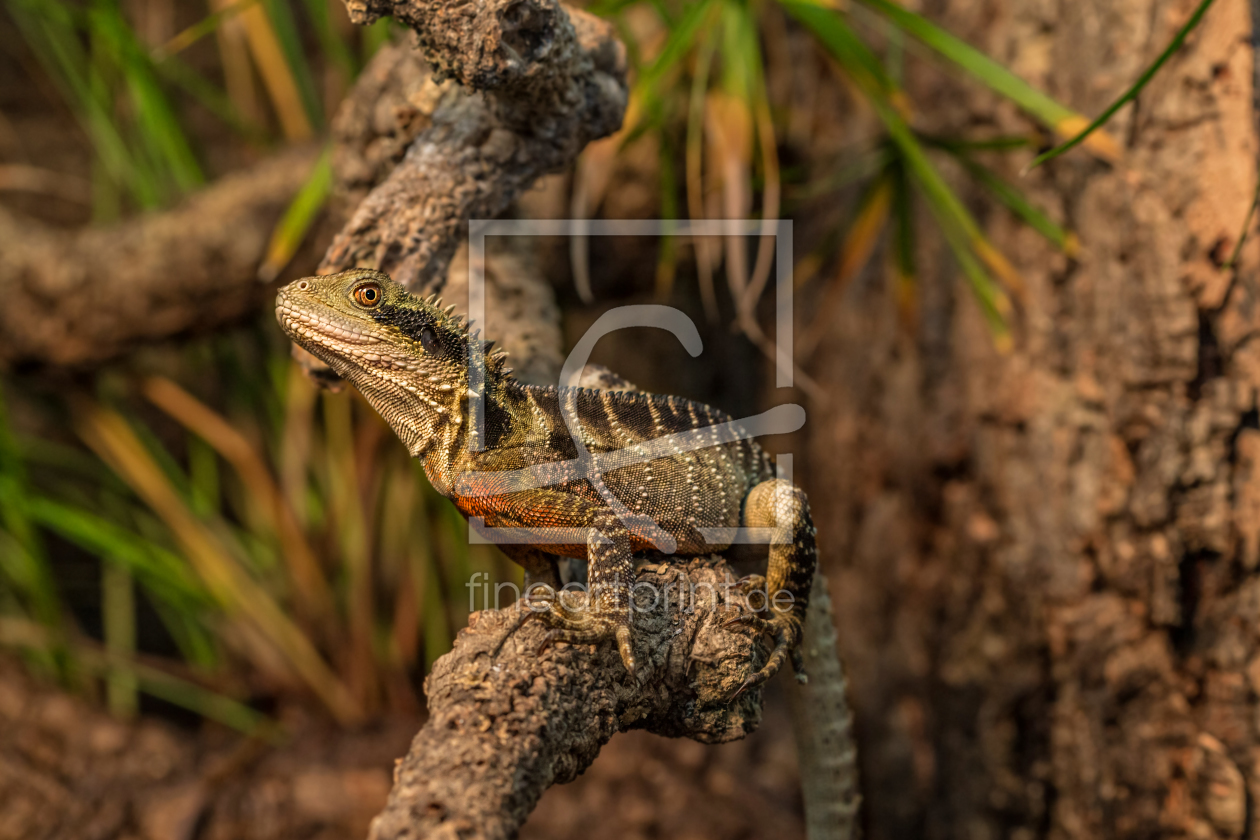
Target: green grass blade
1059	118
98	535
1018	203
961	231
1130	94
185	38
854	167
903	245
18	633
676	47
211	97
959	145
118	618
298	218
844	44
49	28
156	121
23	561
330	40
1242	236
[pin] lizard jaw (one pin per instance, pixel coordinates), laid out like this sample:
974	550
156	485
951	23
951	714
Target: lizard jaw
337	340
383	373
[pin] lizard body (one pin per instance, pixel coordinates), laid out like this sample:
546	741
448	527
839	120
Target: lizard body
410	360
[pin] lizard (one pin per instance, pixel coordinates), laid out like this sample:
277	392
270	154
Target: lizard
411	359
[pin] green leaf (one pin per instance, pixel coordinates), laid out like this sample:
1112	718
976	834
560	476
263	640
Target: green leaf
1059	118
962	233
1130	94
1018	203
676	47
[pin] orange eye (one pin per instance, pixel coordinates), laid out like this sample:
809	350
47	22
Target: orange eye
369	294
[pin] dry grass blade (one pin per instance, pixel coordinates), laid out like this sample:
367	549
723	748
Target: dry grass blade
348	463
729	131
297	438
770	198
855	252
706	258
268	55
312	595
108	434
591	178
238	75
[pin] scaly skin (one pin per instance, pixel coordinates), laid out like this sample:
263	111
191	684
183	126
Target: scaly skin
410	359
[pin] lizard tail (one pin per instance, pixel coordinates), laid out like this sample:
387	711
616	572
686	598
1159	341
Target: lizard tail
823	725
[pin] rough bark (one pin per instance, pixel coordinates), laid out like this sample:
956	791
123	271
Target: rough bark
1050	592
531	82
81	297
502	729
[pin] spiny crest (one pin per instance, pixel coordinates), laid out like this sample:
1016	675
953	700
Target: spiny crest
495	359
446	320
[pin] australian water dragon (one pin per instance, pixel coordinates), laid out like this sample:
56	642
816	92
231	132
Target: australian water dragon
410	359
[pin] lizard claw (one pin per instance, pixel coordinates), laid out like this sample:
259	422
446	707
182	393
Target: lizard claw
625	646
785	629
516	624
548	638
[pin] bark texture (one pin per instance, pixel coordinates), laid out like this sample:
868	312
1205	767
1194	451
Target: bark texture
81	297
519	88
502	729
1050	594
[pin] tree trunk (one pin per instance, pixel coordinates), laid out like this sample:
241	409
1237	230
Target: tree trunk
1045	562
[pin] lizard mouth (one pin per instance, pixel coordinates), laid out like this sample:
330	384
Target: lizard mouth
320	325
335	338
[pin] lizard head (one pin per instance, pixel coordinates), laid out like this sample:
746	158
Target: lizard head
406	355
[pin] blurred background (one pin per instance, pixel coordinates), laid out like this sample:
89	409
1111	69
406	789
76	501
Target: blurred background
1031	447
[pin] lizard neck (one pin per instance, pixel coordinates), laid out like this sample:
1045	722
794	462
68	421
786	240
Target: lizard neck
447	453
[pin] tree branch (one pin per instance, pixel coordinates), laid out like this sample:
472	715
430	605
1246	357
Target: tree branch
84	296
539	81
503	729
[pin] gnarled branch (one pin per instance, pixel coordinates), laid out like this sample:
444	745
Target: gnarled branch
82	297
539	81
502	729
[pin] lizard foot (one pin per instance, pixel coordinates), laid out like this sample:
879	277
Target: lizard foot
785	629
580	624
753	588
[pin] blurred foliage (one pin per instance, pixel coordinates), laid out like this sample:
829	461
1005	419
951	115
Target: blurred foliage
285	541
293	548
702	84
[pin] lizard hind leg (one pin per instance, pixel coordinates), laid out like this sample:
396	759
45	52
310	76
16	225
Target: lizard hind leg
783	508
603	612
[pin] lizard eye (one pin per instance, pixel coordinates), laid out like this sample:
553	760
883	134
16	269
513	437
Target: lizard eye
429	340
369	295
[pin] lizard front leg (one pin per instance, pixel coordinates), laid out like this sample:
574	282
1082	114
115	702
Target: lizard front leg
603	611
783	508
